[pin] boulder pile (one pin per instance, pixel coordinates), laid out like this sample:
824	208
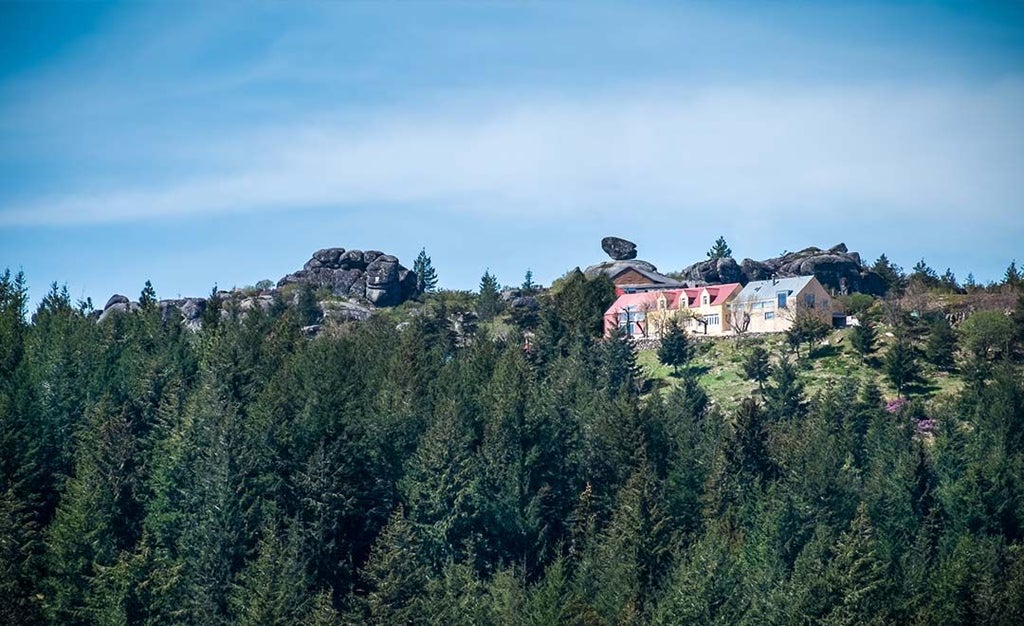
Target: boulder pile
361	280
371	276
836	268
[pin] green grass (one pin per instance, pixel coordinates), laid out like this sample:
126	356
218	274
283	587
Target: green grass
719	366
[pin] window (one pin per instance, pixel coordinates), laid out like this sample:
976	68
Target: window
704	299
809	300
782	299
769	315
712	320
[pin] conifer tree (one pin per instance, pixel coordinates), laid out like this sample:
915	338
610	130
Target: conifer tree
807	327
273	587
810	595
675	347
322	612
1012	277
892	274
618	363
426	275
635	549
784	395
970	284
862	340
749	441
306	308
528	285
211	312
397	574
13	306
1018	321
948	281
867	408
720	250
438	488
95	518
19	538
580	303
488	303
924	275
757	366
900	365
147	299
941	344
704	586
501	491
459	597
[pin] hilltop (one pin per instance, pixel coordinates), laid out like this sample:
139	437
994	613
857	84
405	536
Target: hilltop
495	458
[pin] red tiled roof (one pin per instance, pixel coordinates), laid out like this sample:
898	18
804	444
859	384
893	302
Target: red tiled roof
648	300
720	293
641	300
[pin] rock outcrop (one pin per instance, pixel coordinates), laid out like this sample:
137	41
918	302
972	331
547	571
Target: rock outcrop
619	249
836	268
369	276
361	280
713	271
345	311
117	304
623	255
614	267
115	299
187	311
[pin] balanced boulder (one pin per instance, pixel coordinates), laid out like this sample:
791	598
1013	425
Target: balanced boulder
619	249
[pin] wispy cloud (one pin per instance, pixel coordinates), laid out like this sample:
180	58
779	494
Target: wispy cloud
791	149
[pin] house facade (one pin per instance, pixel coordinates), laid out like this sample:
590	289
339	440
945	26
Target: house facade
701	310
770	306
764	306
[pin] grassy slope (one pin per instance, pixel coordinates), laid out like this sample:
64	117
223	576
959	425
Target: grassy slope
719	364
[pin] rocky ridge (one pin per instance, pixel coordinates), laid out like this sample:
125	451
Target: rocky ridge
836	268
361	280
372	276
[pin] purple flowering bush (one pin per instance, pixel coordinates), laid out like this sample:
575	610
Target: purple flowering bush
895	406
914	413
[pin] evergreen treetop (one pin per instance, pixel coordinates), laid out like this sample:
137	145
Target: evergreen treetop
720	250
426	275
488	303
675	347
1012	277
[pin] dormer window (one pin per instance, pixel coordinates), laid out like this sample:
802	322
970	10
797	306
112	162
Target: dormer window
704	299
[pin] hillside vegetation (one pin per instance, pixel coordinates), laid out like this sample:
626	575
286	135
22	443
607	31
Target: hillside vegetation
717	365
434	466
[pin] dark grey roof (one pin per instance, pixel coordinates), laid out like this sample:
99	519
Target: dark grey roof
766	289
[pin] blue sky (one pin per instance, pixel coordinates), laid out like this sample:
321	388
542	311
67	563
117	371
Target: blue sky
194	144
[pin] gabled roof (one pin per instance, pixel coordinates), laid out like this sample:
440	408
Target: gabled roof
654	277
644	300
720	293
648	300
766	289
